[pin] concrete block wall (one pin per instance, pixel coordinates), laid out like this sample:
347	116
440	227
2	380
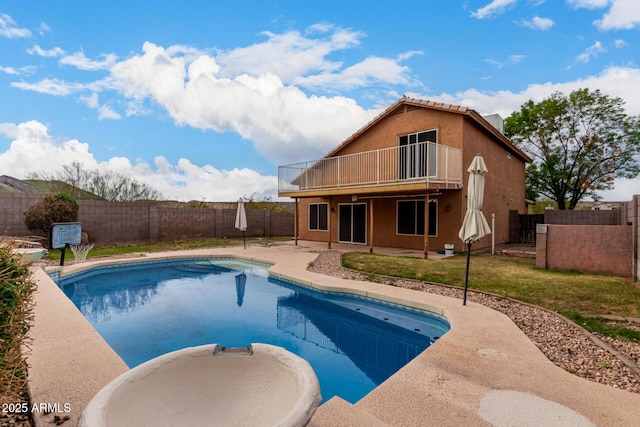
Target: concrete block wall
602	249
184	223
113	222
281	224
12	208
110	222
584	217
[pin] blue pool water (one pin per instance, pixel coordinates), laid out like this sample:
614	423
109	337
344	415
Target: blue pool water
147	309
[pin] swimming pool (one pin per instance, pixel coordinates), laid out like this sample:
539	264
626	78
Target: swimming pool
146	309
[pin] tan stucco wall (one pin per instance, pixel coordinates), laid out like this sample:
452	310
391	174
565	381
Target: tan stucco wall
384	133
604	249
504	189
504	183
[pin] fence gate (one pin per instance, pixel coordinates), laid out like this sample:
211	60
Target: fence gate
522	228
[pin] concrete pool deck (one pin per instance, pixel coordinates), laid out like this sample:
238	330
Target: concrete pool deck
484	371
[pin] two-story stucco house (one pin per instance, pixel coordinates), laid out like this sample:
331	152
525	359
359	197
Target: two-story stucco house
400	181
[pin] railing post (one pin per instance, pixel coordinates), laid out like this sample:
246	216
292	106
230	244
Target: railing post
446	168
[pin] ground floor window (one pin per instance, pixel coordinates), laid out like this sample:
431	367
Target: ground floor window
318	216
410	217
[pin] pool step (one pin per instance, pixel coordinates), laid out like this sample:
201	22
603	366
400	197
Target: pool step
337	412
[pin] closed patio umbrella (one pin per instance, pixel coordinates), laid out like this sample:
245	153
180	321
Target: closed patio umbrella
241	221
474	226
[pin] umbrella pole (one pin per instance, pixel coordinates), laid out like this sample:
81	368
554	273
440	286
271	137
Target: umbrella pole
244	239
466	275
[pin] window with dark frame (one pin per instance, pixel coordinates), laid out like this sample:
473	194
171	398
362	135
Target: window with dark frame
416	159
319	216
410	217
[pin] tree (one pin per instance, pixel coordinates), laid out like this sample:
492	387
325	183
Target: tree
579	144
106	185
58	208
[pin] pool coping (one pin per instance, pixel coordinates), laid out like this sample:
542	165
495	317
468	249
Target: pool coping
448	384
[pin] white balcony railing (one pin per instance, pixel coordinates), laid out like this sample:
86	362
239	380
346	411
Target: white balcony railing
424	162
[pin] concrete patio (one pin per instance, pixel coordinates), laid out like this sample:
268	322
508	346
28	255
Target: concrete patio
484	371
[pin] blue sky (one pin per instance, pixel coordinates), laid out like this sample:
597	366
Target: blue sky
204	99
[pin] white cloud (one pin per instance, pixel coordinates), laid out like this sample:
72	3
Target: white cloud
511	60
51	87
371	71
106	112
588	4
26	70
44	28
622	14
48	53
285	124
33	149
90	101
77	60
494	8
591	52
9	29
537	23
80	61
613	81
288	55
618	43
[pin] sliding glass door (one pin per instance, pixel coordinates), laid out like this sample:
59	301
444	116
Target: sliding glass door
353	223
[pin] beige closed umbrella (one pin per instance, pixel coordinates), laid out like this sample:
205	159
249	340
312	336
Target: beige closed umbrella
241	221
474	226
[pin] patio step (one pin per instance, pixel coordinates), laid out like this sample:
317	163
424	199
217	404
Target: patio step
339	413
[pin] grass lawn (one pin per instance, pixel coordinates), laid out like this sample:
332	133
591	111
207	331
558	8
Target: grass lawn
576	295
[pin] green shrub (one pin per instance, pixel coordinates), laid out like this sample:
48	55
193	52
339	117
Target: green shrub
16	314
59	208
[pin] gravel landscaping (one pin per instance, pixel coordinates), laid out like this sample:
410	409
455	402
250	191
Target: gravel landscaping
614	362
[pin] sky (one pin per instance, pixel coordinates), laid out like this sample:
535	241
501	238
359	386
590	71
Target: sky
203	100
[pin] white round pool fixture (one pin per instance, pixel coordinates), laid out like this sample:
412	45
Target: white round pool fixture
258	385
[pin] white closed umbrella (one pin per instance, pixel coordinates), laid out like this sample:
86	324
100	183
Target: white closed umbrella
474	226
241	221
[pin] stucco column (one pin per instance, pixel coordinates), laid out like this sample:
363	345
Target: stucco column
295	221
370	226
329	223
541	246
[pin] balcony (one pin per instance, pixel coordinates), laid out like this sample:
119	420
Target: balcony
422	166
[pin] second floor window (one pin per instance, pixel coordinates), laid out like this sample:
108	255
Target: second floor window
417	158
